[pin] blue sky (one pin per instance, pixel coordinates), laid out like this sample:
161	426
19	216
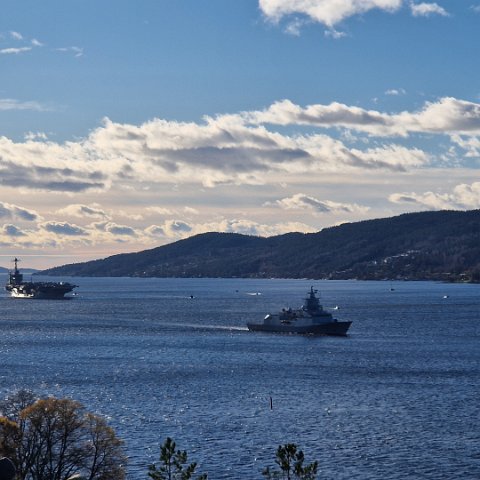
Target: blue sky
126	125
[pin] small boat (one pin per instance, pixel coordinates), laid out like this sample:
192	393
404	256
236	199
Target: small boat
18	288
311	318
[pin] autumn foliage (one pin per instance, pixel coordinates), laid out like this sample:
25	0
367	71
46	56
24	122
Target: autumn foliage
55	439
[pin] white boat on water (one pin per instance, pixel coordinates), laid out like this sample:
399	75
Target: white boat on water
311	318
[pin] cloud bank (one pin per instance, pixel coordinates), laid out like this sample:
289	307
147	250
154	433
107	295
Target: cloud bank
237	148
332	12
300	201
463	197
448	115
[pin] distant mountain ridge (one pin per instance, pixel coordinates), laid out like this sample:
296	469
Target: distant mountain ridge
24	270
441	245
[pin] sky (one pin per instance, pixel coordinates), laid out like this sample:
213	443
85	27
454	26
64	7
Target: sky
130	124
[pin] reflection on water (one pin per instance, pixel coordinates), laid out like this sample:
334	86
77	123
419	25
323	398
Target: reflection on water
168	357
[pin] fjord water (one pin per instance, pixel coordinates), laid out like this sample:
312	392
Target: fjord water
398	398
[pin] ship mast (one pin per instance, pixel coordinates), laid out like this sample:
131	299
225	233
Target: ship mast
15	278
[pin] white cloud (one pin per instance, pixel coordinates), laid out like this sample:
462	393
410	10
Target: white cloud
326	12
155	231
463	197
393	157
120	229
470	144
35	136
190	211
63	228
427	9
8	210
447	115
48	166
128	215
14	50
395	91
333	33
159	211
16	35
28	45
294	27
10	230
173	228
337	114
114	229
76	51
300	201
25	44
12	104
82	211
467	196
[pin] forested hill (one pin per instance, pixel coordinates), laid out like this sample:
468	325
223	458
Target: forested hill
442	245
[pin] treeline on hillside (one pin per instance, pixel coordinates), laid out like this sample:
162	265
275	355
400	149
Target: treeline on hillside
442	245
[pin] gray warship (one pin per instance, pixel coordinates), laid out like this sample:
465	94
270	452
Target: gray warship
18	288
311	318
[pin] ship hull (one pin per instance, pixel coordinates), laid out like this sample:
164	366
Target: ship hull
330	328
42	291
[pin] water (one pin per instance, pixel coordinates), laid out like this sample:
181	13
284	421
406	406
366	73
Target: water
397	398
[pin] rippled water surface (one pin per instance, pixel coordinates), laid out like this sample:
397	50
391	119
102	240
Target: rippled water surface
398	398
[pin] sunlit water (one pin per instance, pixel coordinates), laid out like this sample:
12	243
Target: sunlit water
398	398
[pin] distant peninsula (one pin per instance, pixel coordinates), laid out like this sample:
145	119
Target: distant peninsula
441	245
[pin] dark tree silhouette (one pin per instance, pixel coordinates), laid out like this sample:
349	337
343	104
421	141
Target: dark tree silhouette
291	463
173	464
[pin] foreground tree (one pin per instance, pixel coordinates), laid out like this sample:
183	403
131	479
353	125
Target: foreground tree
54	439
173	464
291	465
